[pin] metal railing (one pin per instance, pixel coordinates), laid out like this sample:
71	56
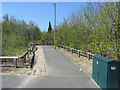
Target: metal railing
15	58
11	57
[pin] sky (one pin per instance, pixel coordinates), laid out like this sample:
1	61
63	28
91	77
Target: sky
40	12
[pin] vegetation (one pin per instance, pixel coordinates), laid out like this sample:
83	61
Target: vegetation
16	35
48	37
93	29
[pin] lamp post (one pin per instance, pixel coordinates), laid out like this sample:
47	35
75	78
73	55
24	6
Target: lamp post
32	35
54	24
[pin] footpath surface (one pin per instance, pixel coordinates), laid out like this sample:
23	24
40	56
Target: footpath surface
60	73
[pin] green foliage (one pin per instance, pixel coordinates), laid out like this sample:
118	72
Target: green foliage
93	29
71	45
15	51
16	35
48	38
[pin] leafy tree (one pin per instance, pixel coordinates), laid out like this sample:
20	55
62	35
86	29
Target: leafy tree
94	29
17	34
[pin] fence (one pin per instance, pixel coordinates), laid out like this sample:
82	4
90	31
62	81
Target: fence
33	58
22	57
79	52
14	59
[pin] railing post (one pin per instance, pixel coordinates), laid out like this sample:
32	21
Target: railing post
28	54
88	56
32	63
72	50
79	53
68	49
15	62
25	59
30	50
23	62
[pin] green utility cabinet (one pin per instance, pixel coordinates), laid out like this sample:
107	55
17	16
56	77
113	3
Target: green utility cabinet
105	72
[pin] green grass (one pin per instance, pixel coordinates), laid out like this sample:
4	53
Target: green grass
35	42
11	51
15	51
19	51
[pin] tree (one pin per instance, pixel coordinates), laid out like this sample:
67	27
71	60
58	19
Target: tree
6	18
17	34
93	29
49	28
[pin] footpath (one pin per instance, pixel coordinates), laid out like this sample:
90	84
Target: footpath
54	71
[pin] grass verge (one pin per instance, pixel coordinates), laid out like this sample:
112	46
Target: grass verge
15	51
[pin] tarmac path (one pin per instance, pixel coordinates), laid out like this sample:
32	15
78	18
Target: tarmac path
61	73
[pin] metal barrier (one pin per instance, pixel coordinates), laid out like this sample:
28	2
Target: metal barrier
33	59
21	57
14	59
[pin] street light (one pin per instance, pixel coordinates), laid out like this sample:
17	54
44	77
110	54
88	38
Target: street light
54	24
32	35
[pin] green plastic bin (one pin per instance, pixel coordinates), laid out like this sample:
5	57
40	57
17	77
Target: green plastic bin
105	72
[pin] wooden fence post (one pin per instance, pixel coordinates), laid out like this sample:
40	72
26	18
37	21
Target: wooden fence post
72	50
25	59
30	51
28	54
68	49
88	56
23	62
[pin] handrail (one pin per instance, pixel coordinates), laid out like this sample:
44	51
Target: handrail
8	57
20	57
77	51
11	57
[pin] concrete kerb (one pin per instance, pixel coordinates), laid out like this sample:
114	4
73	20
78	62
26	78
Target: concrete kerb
40	66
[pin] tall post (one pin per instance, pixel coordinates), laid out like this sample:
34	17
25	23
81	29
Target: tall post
54	24
32	35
